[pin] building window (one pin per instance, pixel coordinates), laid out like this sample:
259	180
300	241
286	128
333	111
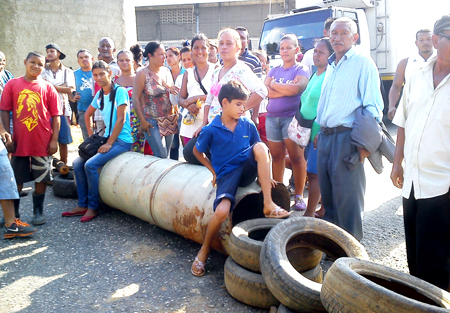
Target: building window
176	16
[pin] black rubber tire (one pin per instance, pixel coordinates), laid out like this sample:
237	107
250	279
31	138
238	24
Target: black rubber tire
315	274
289	286
247	287
353	285
246	240
303	258
64	186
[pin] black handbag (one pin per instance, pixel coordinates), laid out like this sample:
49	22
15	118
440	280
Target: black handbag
88	148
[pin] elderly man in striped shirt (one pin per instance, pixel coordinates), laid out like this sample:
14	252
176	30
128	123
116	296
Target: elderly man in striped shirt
351	81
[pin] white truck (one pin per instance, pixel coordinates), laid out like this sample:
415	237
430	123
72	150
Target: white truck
386	28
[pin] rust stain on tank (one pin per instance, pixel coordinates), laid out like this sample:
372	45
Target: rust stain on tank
186	223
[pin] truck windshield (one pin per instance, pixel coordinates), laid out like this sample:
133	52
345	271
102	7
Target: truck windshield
308	26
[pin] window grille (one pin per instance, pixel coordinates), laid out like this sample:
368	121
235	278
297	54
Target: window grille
176	16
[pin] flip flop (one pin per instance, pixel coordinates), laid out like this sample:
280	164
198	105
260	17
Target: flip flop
276	213
317	215
198	268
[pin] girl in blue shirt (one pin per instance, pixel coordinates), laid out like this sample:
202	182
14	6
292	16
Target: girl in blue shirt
110	99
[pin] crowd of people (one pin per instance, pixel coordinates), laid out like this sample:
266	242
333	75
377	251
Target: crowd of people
220	101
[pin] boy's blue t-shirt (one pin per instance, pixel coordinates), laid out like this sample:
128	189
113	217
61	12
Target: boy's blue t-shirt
229	150
85	86
121	99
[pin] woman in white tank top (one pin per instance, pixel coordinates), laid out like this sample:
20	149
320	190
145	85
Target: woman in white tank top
192	93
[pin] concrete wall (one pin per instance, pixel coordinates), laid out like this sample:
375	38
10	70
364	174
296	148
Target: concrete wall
28	25
212	17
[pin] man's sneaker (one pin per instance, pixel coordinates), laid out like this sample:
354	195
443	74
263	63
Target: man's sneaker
18	229
299	205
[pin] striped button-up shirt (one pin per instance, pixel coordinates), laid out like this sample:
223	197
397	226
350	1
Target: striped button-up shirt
348	85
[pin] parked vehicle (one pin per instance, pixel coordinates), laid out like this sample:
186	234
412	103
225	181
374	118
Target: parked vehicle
386	28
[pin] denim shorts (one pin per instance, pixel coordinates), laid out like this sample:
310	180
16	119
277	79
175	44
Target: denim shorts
65	137
277	127
241	176
8	186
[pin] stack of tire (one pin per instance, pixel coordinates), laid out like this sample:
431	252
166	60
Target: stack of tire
352	284
243	278
64	185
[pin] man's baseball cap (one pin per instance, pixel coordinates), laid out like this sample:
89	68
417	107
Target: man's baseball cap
56	47
442	24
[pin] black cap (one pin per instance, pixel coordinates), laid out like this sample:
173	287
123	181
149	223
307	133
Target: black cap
56	47
442	24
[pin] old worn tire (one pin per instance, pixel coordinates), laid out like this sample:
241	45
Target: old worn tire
246	240
302	258
289	286
315	274
353	285
64	186
247	287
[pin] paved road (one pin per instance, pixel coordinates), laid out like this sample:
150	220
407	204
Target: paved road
118	263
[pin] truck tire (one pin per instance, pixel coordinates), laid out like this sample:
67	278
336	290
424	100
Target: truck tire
246	240
247	287
289	286
353	285
64	186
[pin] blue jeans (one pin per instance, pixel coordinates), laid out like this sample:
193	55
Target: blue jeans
87	176
155	140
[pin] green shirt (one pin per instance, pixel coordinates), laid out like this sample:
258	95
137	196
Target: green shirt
310	100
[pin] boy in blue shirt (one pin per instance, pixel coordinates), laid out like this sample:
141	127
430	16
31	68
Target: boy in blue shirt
237	158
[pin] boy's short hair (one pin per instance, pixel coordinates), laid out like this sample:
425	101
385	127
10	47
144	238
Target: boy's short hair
233	90
35	54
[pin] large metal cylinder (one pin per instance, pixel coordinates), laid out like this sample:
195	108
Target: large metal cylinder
176	196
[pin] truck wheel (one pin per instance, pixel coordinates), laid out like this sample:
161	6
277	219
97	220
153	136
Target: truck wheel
64	186
247	287
246	240
353	285
289	286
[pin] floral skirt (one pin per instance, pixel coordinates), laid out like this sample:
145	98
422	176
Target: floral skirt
138	139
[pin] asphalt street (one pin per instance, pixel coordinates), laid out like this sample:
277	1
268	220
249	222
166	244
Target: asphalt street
118	263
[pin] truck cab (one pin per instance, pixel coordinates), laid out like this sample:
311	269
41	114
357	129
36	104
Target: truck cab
307	25
307	22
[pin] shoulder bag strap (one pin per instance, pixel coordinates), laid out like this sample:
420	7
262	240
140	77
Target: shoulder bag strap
113	100
200	82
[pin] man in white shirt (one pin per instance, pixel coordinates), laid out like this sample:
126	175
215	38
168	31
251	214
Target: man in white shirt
63	80
423	140
409	65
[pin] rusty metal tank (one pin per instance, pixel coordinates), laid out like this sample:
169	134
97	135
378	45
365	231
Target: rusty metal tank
176	196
